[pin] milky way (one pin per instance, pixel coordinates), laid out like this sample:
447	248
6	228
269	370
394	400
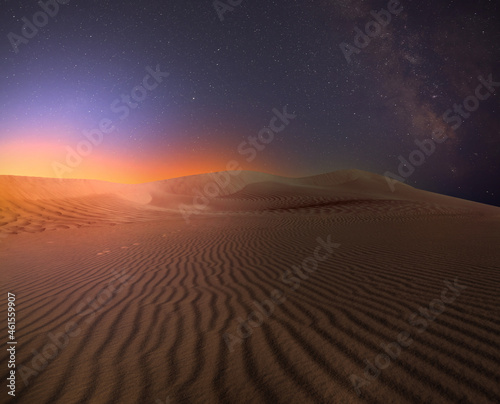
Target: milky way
70	69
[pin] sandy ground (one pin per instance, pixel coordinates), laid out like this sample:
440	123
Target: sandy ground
278	291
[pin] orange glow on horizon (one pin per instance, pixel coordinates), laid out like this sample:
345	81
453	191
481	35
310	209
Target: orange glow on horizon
36	159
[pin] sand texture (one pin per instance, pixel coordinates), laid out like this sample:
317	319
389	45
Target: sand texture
157	305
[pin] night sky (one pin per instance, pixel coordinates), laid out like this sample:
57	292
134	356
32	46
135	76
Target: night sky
228	74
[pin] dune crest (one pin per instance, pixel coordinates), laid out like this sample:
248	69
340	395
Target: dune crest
154	297
29	204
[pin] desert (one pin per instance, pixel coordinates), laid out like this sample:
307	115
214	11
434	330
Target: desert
324	289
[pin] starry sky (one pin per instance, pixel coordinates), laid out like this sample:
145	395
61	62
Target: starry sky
219	73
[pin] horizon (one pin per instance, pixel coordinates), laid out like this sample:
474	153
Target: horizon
188	175
388	179
257	201
201	86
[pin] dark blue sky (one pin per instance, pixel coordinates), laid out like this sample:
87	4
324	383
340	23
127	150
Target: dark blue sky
226	77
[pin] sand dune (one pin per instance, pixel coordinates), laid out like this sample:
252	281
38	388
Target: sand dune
39	204
151	297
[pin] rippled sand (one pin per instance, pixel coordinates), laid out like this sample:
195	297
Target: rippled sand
146	307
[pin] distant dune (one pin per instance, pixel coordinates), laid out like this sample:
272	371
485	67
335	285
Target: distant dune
37	204
150	297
